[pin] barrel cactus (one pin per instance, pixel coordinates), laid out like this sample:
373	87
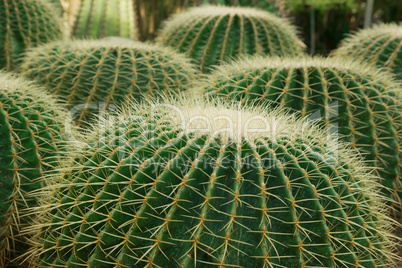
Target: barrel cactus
213	34
360	103
25	23
380	45
31	145
188	183
86	73
101	18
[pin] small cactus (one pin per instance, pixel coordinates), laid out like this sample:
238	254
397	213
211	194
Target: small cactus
109	71
362	103
100	18
380	45
25	23
31	144
194	184
213	34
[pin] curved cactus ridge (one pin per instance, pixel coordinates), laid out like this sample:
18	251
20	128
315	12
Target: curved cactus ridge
31	145
188	183
380	45
91	75
360	103
25	23
101	18
213	34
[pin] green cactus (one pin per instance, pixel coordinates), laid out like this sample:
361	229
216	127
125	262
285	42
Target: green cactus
275	6
210	35
109	71
101	18
25	23
363	104
31	144
380	45
201	184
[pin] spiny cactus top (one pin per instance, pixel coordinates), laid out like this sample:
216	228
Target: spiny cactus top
359	103
212	34
96	73
100	18
380	45
274	6
31	144
25	23
193	184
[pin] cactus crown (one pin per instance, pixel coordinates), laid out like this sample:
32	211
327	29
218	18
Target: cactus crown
361	101
31	145
88	72
380	45
174	184
101	18
213	34
25	23
274	6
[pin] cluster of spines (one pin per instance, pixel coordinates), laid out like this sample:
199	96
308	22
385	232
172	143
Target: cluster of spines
88	72
276	6
380	46
101	18
25	23
31	146
211	35
290	201
359	103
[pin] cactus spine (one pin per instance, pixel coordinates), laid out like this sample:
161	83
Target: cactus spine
210	35
148	192
101	18
25	23
112	71
363	104
380	46
31	144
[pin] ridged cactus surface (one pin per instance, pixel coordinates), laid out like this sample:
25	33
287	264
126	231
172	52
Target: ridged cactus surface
31	144
213	34
180	186
101	18
359	103
380	46
99	73
25	23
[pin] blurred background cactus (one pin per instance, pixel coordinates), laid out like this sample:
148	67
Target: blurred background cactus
92	73
322	23
212	35
380	46
101	18
25	23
